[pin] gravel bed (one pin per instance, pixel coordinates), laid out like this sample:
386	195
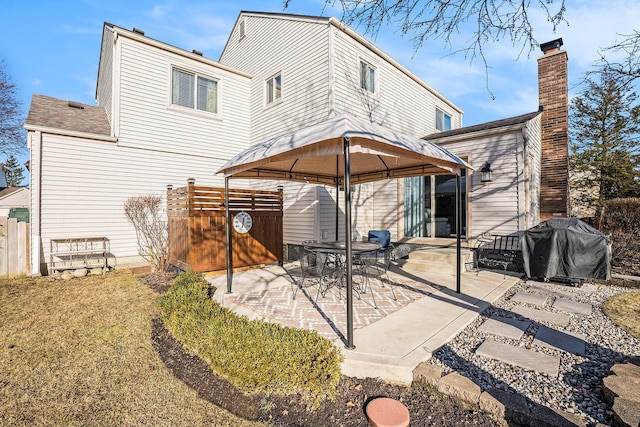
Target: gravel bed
577	388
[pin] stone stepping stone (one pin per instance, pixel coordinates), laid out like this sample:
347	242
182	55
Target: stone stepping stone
518	356
572	306
561	340
588	288
551	292
542	315
530	298
505	327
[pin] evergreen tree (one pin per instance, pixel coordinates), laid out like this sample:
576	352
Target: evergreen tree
14	172
604	130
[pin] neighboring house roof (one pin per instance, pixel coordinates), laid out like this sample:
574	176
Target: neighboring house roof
14	197
7	191
483	127
52	113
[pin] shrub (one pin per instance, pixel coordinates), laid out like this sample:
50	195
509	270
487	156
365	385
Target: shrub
146	213
621	219
256	356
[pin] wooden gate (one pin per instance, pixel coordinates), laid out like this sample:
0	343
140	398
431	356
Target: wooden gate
14	247
197	227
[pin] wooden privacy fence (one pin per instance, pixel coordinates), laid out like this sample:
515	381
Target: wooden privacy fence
14	247
197	227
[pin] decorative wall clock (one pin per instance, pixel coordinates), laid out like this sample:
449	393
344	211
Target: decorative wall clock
242	222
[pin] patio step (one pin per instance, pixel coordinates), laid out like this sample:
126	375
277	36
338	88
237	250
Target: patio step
436	260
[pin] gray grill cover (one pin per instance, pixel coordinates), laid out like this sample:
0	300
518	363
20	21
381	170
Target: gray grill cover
565	248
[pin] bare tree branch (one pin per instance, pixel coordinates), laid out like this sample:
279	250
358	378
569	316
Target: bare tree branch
146	213
445	19
12	135
627	70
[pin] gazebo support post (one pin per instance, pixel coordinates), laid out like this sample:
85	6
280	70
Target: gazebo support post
458	229
337	201
347	232
227	214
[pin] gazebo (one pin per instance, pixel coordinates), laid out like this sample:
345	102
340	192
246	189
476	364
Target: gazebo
343	151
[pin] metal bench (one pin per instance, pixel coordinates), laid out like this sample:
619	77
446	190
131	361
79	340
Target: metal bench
495	251
74	253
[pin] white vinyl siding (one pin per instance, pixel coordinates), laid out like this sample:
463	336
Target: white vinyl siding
149	121
83	194
303	65
399	103
500	206
104	88
313	47
371	204
533	154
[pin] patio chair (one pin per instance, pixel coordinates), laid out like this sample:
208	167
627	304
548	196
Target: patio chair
361	268
308	270
378	264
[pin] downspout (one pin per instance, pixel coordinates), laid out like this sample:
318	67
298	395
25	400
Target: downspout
519	182
35	159
526	179
330	74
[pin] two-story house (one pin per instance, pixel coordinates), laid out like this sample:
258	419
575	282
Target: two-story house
165	114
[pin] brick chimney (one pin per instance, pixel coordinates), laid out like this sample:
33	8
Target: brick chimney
554	102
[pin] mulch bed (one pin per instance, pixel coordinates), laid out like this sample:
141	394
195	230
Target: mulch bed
426	407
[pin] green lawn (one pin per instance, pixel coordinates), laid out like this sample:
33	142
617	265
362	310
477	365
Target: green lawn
79	352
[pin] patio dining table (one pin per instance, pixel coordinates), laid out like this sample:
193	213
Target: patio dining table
333	266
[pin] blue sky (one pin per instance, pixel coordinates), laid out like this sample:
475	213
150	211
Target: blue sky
52	47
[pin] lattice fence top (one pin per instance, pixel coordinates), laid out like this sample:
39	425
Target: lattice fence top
195	200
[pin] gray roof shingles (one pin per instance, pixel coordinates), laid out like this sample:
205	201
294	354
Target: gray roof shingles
56	113
6	191
484	126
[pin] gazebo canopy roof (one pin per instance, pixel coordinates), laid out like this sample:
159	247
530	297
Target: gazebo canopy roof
315	155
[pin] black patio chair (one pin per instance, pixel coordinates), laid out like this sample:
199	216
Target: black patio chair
377	262
307	271
378	266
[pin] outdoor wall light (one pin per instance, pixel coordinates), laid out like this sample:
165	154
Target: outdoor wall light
486	173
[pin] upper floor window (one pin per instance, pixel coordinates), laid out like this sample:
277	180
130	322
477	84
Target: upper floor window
194	91
243	29
367	77
443	120
274	88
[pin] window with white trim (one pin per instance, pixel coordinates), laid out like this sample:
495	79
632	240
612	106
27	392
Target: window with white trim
274	88
443	120
191	90
243	29
367	77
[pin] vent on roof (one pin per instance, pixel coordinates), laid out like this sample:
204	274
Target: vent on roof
197	52
77	105
138	31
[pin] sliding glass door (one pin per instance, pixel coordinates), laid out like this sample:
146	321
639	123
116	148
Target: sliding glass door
430	206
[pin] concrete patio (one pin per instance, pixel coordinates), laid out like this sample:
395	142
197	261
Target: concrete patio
392	339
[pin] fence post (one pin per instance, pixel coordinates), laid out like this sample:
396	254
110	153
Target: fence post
4	247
